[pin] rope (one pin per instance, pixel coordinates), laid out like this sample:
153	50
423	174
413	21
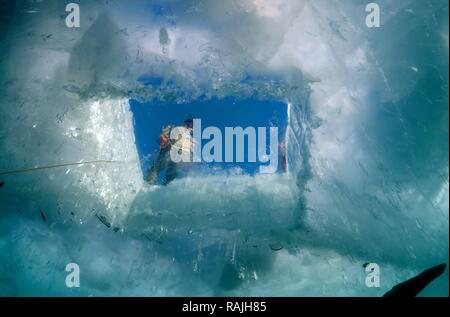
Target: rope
38	168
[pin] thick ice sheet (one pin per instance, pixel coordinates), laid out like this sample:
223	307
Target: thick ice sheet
368	148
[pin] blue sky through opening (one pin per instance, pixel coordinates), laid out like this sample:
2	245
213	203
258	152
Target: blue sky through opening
151	117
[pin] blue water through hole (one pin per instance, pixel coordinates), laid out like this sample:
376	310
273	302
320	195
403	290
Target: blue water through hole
151	117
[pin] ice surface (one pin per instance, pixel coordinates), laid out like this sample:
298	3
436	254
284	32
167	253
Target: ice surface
367	149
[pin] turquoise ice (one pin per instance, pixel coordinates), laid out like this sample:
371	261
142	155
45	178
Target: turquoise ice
366	126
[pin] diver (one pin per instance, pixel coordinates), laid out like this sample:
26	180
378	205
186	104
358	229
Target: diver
164	162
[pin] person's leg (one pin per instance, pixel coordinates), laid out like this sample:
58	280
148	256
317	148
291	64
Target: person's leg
171	172
157	167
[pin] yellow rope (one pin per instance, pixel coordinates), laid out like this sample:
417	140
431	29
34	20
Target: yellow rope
37	168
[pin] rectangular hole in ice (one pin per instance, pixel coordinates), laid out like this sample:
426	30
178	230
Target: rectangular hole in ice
150	118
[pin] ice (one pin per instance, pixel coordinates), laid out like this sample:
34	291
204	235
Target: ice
367	148
247	204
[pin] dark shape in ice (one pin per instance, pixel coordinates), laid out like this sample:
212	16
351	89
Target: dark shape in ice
150	80
2	183
414	286
116	229
229	279
164	37
45	37
276	247
150	239
43	216
104	221
365	264
123	31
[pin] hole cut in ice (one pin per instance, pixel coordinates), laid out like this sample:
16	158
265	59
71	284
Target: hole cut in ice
150	119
